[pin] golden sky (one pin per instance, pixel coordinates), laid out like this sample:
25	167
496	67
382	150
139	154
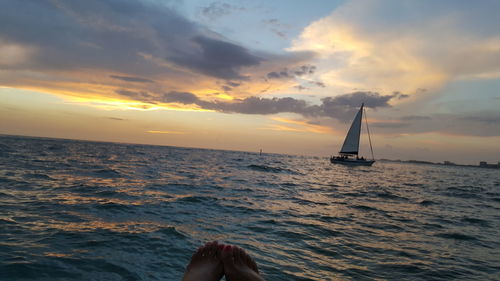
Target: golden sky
249	76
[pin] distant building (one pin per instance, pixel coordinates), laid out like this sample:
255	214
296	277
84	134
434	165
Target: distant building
448	163
484	164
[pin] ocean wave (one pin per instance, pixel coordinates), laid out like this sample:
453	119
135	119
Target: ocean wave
475	221
389	195
366	208
127	212
270	169
456	236
427	202
106	173
37	176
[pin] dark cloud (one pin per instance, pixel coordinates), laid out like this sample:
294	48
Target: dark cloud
226	88
415	117
370	99
341	107
276	75
219	9
217	58
345	106
317	83
400	95
276	27
105	34
230	85
305	69
297	72
271	21
136	95
115	36
256	105
391	125
487	119
116	118
131	79
233	84
300	87
181	97
279	33
481	124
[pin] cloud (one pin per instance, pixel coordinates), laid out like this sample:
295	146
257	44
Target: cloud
403	45
216	58
166	132
300	126
415	117
69	48
181	97
297	72
391	125
131	79
116	118
233	84
14	55
317	83
219	9
276	27
479	124
341	107
485	119
140	96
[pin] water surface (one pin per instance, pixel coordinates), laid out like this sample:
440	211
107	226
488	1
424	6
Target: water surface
74	210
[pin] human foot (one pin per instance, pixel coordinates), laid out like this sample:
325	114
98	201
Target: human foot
238	265
204	265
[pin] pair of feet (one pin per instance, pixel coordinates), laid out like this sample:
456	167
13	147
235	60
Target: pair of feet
213	260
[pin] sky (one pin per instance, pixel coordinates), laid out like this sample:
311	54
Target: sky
282	76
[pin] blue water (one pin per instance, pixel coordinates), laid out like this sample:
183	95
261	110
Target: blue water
74	210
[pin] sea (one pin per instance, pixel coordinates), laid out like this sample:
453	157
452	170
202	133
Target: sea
81	210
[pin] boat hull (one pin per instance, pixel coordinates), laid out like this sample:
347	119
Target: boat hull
352	162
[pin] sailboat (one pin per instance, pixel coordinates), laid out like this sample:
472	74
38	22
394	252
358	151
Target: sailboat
348	155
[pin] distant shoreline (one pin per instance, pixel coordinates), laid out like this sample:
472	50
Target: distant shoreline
445	163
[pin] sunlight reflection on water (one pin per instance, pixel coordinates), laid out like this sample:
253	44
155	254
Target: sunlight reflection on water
80	210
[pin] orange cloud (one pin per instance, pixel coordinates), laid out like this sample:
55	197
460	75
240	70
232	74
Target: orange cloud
300	126
166	132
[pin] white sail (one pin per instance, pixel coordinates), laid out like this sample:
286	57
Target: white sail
351	142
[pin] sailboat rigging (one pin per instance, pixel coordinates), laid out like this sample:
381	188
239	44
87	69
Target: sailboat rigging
348	155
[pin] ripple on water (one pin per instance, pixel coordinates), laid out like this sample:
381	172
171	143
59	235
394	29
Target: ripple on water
270	169
456	236
476	221
97	211
389	195
427	203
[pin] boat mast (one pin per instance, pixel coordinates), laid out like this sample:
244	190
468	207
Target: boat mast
369	138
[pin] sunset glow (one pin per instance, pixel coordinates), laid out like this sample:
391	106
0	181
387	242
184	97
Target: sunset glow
230	76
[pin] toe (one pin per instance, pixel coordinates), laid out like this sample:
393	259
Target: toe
253	264
226	255
249	261
220	248
238	255
212	249
197	254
